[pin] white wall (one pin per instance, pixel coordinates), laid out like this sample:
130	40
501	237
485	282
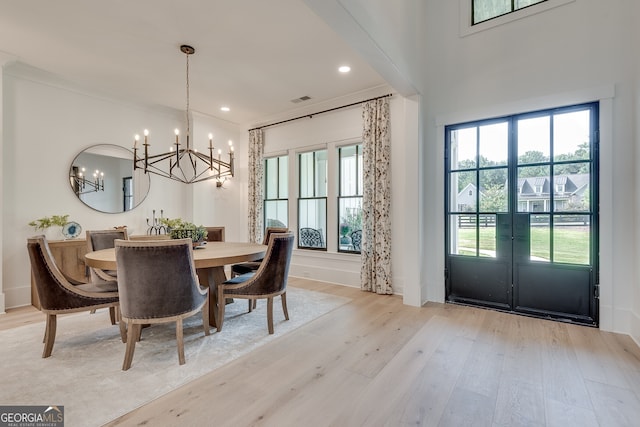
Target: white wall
46	124
560	56
331	130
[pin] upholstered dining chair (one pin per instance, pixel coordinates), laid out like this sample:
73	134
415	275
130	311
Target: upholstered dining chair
215	234
157	283
59	296
103	239
268	281
248	267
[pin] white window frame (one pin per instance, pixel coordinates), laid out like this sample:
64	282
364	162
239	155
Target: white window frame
466	10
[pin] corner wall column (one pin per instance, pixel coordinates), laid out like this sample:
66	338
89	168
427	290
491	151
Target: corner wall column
4	60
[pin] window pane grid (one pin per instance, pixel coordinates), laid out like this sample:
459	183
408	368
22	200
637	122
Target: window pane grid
349	230
276	201
484	10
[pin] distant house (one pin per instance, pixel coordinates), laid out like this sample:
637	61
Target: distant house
534	194
569	192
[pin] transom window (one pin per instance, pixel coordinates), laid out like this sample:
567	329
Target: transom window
483	10
276	187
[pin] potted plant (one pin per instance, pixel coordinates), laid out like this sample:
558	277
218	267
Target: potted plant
47	222
344	230
179	229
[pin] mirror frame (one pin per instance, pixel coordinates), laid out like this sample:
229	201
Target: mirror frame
135	175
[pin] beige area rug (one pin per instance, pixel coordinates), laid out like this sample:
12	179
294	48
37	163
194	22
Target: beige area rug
85	373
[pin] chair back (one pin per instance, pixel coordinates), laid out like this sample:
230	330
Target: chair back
270	230
356	240
271	276
311	238
55	292
157	279
103	239
215	234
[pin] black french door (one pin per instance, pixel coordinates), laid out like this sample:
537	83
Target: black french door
522	213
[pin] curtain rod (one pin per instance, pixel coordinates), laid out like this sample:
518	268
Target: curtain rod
320	112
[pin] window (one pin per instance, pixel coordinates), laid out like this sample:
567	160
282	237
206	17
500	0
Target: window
350	198
276	187
483	10
312	200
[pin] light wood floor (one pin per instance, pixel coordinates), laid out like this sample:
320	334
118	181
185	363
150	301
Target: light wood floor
376	362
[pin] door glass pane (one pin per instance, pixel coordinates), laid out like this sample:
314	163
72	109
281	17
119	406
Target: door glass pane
487	236
540	238
463	191
533	189
533	140
494	143
493	194
571	136
572	188
463	148
463	235
571	243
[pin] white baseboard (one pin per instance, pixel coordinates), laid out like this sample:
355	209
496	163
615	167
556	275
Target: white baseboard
17	297
635	328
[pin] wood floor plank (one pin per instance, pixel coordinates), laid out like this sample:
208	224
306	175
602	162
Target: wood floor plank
614	406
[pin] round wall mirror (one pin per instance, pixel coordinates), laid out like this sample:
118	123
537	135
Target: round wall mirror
102	177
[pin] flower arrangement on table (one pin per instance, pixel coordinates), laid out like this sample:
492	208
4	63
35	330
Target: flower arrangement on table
179	229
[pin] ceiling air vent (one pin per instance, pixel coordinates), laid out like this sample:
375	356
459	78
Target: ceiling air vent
301	99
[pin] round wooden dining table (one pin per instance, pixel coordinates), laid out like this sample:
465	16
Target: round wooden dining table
209	261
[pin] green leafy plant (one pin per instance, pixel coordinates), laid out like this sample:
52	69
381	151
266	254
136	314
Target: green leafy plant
49	221
179	229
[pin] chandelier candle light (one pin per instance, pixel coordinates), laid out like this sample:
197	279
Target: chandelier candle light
185	165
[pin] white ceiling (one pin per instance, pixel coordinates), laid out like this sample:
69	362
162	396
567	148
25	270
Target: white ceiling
253	55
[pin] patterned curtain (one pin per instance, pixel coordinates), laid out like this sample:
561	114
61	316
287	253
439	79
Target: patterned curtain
375	273
256	186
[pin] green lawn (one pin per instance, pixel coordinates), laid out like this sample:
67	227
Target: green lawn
571	244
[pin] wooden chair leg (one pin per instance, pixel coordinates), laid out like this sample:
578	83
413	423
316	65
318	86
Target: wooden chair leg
112	315
250	305
180	340
270	314
221	304
133	331
205	317
50	335
121	326
284	305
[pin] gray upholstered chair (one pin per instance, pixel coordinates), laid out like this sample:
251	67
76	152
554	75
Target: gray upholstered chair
157	283
59	296
310	238
103	239
267	282
215	234
248	267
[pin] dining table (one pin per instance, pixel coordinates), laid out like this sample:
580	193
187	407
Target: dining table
209	259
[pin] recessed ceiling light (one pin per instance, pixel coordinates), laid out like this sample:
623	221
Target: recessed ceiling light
225	109
344	69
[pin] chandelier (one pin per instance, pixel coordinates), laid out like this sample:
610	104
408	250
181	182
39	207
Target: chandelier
82	185
183	162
